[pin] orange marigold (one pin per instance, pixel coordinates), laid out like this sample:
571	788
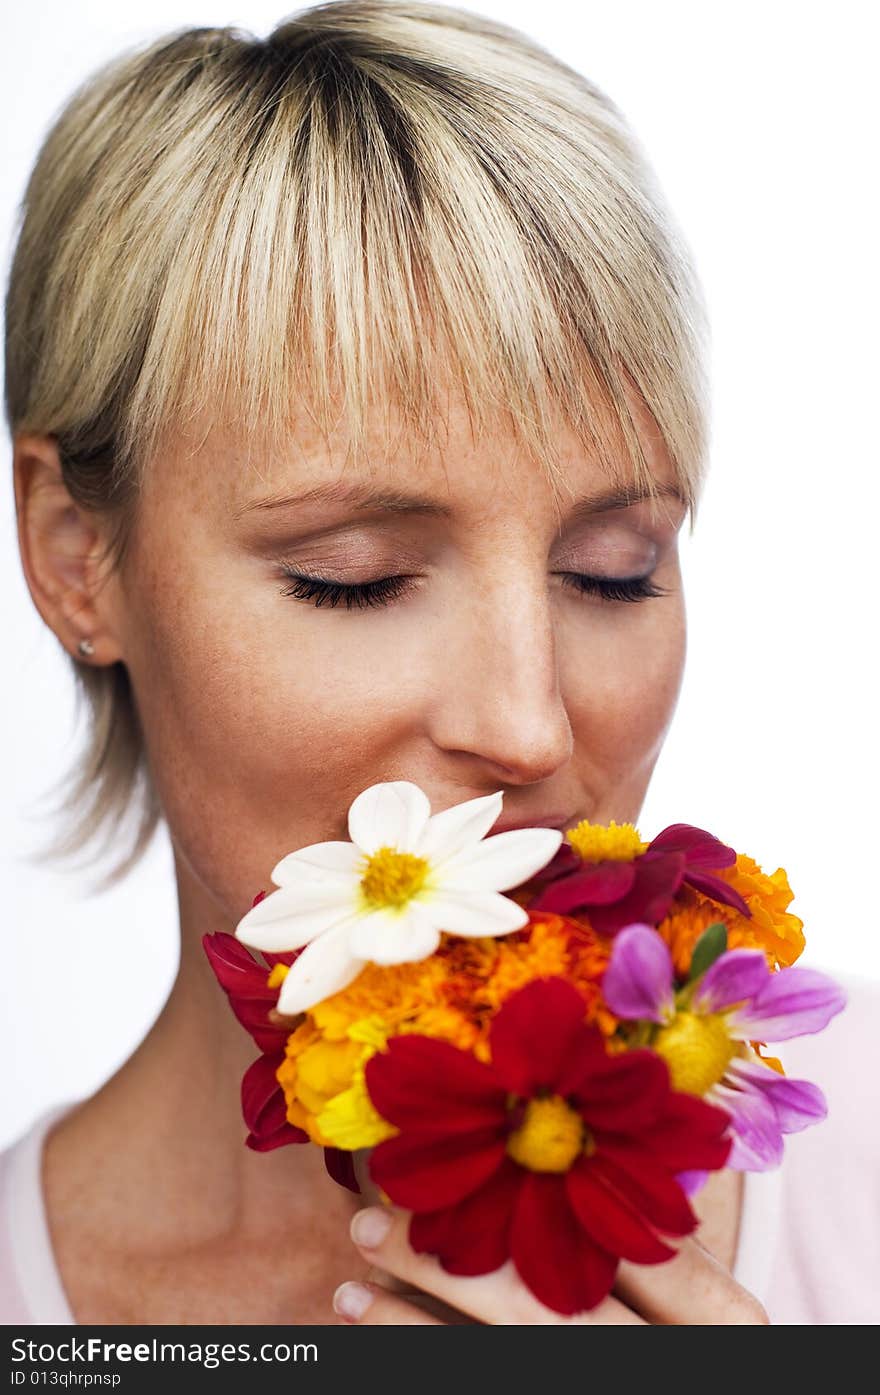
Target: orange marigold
452	996
771	928
455	993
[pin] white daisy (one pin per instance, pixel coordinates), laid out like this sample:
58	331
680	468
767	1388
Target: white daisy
385	896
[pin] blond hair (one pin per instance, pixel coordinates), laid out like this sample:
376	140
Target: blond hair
256	224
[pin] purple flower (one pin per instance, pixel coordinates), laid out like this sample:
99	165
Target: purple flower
703	1031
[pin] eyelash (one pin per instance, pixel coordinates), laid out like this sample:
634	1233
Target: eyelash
390	588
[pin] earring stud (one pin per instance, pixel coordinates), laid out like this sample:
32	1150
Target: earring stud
86	648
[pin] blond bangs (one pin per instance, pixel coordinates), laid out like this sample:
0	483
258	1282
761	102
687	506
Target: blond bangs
362	210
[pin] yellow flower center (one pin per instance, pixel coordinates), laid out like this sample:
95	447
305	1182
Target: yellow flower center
550	1136
392	878
697	1051
596	843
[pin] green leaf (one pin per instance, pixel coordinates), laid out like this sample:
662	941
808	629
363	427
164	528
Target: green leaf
709	947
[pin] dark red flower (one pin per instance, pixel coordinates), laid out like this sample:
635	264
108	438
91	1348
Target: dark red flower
557	1155
264	1107
244	980
616	893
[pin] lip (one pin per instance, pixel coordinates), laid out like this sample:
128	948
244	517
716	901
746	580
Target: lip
560	821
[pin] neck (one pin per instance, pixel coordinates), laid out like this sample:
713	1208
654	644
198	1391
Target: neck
166	1133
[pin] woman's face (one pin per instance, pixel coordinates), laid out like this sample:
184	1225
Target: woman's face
266	714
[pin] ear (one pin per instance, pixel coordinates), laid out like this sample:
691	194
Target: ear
64	554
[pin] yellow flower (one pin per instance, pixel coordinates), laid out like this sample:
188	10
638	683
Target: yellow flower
312	1072
324	1070
596	842
350	1120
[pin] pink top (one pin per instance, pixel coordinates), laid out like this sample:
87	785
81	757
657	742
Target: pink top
809	1242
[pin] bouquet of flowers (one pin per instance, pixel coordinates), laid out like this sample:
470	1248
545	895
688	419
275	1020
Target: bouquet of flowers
546	1076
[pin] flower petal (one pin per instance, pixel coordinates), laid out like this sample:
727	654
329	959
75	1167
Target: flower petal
792	1003
236	968
473	913
244	981
658	876
624	1093
459	827
263	1106
324	967
798	1103
536	1034
637	984
757	1135
610	1217
424	1171
340	1166
502	861
391	814
652	1190
291	916
692	1181
473	1236
254	1017
422	1083
394	937
735	977
690	1133
320	862
701	849
591	884
558	1261
717	889
267	1142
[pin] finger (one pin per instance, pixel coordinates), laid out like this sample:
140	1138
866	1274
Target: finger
499	1298
370	1305
378	1278
692	1288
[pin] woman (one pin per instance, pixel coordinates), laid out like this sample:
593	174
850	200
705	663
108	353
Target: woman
355	377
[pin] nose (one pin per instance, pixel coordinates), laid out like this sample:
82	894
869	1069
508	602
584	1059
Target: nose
498	694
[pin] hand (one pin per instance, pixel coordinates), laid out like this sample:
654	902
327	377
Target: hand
692	1289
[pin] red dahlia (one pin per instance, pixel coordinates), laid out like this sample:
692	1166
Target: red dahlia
556	1155
618	893
263	1106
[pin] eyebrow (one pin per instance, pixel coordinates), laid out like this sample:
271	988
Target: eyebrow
362	496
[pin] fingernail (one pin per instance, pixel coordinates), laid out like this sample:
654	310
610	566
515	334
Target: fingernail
352	1301
369	1228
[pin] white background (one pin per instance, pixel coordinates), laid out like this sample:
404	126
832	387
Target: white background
760	121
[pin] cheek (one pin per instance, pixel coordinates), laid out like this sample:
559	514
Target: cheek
622	687
262	723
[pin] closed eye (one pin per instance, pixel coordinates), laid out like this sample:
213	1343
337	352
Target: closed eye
321	591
